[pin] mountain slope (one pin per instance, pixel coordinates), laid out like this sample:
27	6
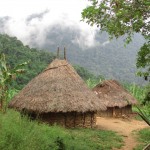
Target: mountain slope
109	58
17	53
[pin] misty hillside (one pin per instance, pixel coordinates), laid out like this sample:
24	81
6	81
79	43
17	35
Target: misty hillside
16	53
110	59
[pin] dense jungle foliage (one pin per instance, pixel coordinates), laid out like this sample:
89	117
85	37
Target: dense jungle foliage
16	53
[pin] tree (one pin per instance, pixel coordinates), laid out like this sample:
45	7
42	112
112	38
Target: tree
7	75
123	17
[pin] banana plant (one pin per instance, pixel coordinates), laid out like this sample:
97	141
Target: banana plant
7	75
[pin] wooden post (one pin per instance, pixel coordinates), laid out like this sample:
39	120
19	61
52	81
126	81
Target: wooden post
58	52
74	119
83	119
64	53
65	119
147	147
91	119
114	114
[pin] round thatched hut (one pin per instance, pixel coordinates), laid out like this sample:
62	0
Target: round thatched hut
58	95
117	100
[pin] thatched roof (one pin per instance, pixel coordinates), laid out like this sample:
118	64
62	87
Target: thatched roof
57	89
113	94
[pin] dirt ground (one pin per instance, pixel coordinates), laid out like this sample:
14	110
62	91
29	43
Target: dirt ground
124	127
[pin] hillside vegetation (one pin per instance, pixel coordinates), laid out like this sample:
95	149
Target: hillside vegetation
109	58
17	53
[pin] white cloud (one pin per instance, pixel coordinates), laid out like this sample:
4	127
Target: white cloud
67	13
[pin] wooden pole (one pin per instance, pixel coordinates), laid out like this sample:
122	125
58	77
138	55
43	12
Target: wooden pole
91	120
83	119
64	53
147	147
58	52
74	119
65	119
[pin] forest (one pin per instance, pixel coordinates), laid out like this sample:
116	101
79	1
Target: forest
16	53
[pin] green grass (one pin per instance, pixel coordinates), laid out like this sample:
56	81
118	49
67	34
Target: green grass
19	133
143	138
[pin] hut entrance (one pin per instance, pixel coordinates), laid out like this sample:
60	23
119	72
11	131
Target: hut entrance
117	112
127	110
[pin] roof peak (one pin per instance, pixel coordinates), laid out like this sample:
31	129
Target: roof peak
58	89
56	63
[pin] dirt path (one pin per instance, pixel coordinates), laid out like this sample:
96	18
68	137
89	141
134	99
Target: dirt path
123	127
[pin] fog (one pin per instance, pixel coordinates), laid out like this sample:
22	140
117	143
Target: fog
30	21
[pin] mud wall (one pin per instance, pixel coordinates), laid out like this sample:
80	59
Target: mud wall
70	119
115	111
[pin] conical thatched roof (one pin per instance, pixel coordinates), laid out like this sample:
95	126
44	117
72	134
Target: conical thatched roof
113	94
57	89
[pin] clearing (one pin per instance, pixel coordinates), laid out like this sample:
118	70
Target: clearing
124	127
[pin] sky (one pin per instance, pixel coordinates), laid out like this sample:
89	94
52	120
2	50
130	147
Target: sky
22	18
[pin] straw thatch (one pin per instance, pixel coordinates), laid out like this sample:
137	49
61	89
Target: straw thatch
117	100
113	94
57	89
